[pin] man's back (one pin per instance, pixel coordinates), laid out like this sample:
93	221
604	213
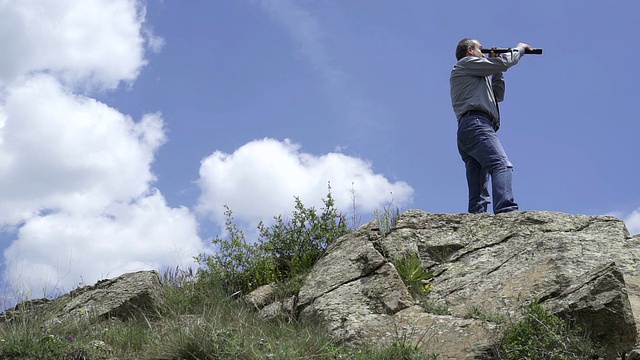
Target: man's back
470	86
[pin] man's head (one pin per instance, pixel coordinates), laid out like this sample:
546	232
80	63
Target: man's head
468	47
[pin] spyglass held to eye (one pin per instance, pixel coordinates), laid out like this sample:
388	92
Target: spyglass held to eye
536	51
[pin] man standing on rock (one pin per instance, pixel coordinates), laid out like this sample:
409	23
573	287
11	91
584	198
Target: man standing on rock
475	102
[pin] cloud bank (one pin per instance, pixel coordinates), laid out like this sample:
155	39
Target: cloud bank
77	201
261	178
94	43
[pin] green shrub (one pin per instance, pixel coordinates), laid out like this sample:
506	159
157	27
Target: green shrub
296	244
237	264
285	250
540	335
415	277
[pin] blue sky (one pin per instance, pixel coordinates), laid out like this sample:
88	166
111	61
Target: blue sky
125	126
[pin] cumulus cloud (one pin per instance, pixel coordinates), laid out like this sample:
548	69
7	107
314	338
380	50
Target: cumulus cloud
97	43
58	251
77	195
261	178
70	152
76	180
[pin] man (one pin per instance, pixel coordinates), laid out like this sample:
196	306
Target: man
475	102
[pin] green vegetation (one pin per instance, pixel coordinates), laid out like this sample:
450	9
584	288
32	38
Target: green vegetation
197	323
401	351
415	277
284	253
386	219
540	335
481	314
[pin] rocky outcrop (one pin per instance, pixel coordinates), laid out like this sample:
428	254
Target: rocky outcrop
129	295
583	268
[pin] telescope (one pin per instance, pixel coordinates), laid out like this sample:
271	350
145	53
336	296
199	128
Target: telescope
537	51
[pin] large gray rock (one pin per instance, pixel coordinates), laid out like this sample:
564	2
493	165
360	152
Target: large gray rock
584	268
351	288
450	337
269	306
129	295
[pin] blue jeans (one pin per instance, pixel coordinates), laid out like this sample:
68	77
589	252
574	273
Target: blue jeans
484	156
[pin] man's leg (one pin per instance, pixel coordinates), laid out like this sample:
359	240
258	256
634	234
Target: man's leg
477	183
502	188
481	142
477	176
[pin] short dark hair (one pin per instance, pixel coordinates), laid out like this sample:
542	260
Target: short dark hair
463	45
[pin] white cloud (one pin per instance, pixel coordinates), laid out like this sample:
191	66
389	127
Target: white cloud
154	43
633	222
75	174
75	181
70	152
260	179
58	251
96	43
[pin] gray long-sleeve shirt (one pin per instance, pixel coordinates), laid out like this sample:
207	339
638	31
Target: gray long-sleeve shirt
471	88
